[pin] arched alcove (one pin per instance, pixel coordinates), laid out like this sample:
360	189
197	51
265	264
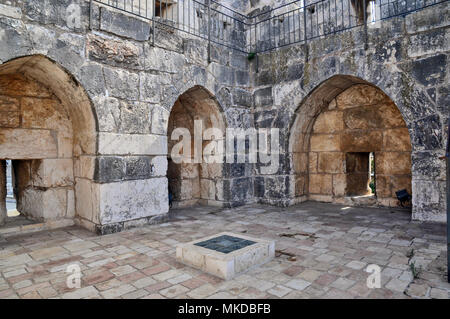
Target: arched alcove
196	180
49	131
349	144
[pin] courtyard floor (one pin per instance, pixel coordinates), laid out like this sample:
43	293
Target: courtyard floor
322	252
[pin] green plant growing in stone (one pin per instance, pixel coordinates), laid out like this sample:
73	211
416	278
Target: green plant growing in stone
415	270
251	56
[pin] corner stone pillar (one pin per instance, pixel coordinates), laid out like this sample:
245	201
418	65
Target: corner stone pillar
3	211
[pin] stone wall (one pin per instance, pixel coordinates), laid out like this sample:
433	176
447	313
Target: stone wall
405	57
120	129
117	91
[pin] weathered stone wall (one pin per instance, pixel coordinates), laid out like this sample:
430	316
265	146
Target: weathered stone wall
121	179
405	57
118	91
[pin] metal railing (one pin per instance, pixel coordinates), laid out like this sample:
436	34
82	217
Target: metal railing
298	21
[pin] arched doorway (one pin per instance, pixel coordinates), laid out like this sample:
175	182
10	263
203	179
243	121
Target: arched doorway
48	134
196	119
350	145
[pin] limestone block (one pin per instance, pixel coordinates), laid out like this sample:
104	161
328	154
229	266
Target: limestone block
160	119
43	205
391	116
188	171
313	162
357	184
320	184
325	142
124	25
150	87
331	162
389	163
44	113
363	117
339	185
129	200
396	140
360	95
18	85
52	172
70	213
9	119
300	185
27	144
362	141
87	196
132	144
9	104
329	122
211	170
9	11
159	164
122	84
84	166
300	161
208	189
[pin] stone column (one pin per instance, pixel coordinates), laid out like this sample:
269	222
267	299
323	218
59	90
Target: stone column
3	211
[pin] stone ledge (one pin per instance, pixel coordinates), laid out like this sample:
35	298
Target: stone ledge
226	265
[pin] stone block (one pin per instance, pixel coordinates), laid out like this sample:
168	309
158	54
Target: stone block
339	185
129	200
325	142
331	162
362	141
11	12
87	199
360	95
52	173
363	118
207	189
300	162
27	144
159	166
396	140
132	144
9	119
263	97
122	84
42	205
320	184
226	265
389	163
124	25
329	122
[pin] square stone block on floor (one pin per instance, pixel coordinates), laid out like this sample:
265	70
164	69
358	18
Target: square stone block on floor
226	255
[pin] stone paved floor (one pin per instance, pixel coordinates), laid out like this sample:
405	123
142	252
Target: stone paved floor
323	251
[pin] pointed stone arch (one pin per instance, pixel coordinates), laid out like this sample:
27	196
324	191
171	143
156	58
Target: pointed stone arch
50	132
335	129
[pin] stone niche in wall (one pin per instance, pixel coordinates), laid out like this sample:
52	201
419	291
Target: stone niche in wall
36	134
359	121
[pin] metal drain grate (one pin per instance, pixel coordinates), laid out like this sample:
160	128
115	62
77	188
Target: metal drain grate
225	244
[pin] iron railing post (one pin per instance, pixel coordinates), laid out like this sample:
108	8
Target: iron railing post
153	21
209	31
305	35
366	46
